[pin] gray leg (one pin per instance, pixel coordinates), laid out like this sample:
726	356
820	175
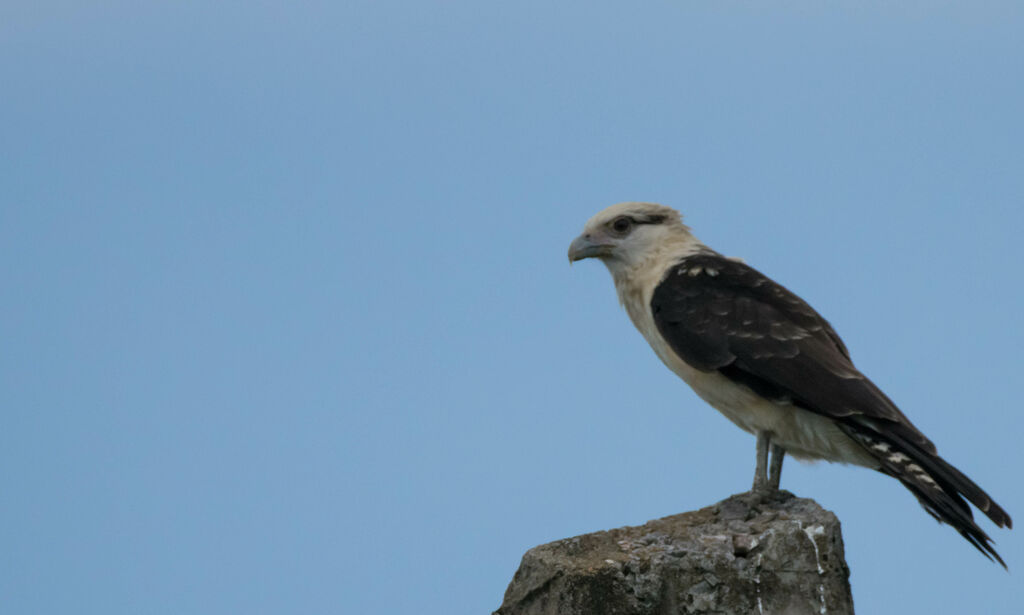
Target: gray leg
775	469
760	472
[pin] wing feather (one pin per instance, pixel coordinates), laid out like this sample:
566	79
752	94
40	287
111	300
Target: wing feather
740	320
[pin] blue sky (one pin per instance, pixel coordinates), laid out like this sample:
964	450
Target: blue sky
289	327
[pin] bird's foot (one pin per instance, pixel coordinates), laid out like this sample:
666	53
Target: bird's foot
763	488
764	498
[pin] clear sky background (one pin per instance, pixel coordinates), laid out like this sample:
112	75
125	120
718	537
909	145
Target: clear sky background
288	326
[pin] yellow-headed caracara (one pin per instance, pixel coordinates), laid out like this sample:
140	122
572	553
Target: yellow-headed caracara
767	361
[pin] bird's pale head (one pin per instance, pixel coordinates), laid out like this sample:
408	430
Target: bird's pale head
626	235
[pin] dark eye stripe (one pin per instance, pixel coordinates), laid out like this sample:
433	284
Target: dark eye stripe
648	220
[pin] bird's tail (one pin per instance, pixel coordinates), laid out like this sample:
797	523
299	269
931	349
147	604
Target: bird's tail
939	486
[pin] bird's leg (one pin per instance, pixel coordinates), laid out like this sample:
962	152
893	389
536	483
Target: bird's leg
775	469
761	470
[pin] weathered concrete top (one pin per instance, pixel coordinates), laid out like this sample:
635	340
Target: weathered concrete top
747	554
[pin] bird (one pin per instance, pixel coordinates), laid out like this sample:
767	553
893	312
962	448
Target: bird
765	359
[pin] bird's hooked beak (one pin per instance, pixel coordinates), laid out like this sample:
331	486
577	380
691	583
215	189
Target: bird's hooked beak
586	246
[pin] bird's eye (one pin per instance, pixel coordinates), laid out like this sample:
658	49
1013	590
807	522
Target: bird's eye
621	224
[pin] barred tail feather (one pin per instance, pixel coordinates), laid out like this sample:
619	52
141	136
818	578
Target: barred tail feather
955	480
938	486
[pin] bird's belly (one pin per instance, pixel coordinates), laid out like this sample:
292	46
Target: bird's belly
804	434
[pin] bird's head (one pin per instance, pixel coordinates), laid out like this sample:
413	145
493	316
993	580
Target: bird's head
626	235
